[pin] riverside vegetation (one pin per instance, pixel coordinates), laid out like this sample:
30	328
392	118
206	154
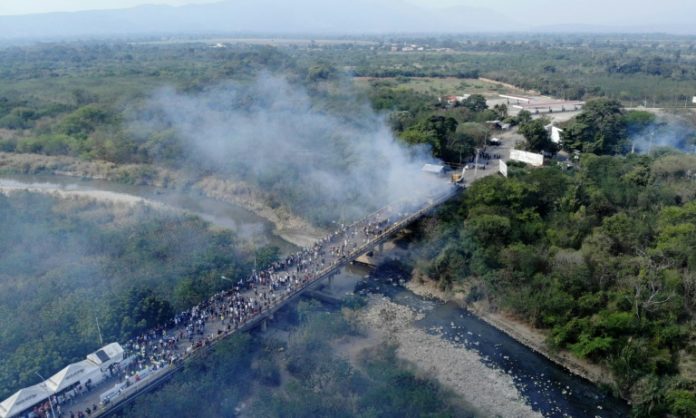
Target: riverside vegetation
300	375
66	263
602	257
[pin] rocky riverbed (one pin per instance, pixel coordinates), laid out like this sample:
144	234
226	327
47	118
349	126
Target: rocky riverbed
456	367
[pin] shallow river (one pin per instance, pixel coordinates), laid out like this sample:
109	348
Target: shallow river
548	388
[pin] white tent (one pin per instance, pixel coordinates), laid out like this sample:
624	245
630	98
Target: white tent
24	399
107	355
74	373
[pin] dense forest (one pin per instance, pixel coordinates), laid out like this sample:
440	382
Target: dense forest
67	263
602	257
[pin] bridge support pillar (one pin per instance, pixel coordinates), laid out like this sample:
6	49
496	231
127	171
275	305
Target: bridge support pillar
380	248
264	325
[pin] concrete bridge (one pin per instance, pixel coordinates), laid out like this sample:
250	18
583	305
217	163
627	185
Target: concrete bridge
398	218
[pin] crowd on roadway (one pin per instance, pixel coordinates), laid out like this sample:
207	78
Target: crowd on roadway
231	309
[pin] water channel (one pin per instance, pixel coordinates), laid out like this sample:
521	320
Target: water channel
547	387
222	214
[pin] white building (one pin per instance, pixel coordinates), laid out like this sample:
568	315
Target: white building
79	372
106	356
24	399
536	160
554	133
91	369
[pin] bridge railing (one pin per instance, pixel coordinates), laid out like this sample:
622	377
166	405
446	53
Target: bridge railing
252	320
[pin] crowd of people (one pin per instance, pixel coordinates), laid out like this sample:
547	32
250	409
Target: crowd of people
232	309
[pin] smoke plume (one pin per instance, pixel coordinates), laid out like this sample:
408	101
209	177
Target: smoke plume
322	158
669	132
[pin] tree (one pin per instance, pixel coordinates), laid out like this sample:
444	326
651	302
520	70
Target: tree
538	138
524	116
637	121
600	129
475	103
437	131
501	110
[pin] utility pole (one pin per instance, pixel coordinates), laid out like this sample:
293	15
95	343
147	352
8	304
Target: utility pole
101	340
50	402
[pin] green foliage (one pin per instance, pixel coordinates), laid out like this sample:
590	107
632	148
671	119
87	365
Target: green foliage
19	118
210	385
475	103
682	403
637	121
64	263
603	258
300	378
600	129
538	138
436	131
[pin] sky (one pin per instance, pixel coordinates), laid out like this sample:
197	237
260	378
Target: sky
15	7
544	12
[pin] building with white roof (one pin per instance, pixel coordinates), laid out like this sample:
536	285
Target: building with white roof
24	399
92	369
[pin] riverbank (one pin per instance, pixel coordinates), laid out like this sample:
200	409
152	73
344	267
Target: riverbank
459	369
522	332
286	225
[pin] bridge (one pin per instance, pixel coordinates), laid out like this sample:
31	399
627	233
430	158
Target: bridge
242	309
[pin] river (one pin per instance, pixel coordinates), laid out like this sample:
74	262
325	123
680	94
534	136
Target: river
246	224
545	386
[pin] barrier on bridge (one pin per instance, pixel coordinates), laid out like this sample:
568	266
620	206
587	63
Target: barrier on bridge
119	395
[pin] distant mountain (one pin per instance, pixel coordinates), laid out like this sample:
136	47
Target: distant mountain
305	17
671	28
255	16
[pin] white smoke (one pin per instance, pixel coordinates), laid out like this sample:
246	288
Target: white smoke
666	133
323	165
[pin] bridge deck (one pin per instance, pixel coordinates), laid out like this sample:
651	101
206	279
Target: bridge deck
218	328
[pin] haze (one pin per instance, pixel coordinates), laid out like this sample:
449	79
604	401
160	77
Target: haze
356	16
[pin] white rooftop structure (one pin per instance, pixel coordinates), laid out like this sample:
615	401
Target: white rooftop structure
433	169
107	355
77	372
24	399
92	368
531	158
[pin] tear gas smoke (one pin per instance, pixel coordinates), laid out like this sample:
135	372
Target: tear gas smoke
323	165
669	133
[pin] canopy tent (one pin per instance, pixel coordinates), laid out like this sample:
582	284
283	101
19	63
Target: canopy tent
90	369
107	355
24	399
74	373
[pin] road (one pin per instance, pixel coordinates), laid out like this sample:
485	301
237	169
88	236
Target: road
162	352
